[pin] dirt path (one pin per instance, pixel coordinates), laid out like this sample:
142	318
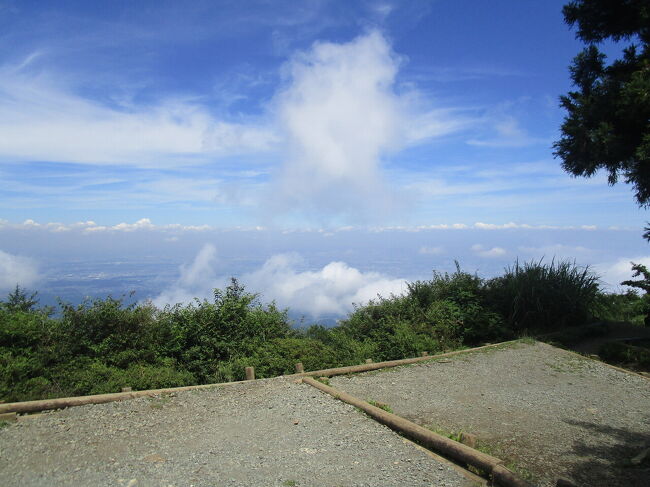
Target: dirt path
266	433
553	413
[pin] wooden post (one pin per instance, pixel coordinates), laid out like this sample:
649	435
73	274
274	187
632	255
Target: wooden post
299	368
425	354
250	373
368	360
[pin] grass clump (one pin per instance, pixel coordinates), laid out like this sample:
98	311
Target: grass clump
381	405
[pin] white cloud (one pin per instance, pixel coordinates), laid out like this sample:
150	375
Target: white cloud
482	251
508	134
492	226
613	273
342	117
42	120
16	270
195	281
331	289
146	224
90	226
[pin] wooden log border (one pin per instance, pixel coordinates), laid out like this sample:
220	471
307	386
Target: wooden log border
492	466
65	402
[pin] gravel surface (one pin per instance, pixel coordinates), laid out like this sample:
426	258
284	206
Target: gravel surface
265	433
551	412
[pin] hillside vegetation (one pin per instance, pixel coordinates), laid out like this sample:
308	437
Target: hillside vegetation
103	345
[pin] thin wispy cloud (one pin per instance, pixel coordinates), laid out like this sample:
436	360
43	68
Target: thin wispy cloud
509	133
43	120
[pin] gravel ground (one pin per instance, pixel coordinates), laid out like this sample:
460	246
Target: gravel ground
553	413
266	433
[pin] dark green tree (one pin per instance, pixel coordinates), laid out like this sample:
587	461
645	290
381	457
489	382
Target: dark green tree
643	284
19	300
608	121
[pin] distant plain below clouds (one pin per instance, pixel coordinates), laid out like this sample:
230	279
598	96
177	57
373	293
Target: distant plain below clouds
314	271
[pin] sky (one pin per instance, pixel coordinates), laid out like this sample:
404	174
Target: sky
320	151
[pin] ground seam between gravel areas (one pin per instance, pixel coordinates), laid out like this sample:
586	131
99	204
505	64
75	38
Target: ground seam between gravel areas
499	474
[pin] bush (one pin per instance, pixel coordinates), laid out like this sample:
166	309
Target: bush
542	297
102	345
88	376
624	354
477	321
279	357
234	325
443	313
628	307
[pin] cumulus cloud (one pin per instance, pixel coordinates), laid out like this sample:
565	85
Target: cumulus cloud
329	290
342	117
16	270
482	251
613	273
89	226
196	280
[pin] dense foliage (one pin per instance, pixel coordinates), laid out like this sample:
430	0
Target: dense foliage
607	124
102	345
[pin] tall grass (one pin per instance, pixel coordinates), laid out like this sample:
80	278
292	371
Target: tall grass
544	296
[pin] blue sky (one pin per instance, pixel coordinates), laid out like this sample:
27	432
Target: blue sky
231	124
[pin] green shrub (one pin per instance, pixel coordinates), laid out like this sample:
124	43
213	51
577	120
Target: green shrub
627	307
624	354
234	325
540	297
88	376
279	357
